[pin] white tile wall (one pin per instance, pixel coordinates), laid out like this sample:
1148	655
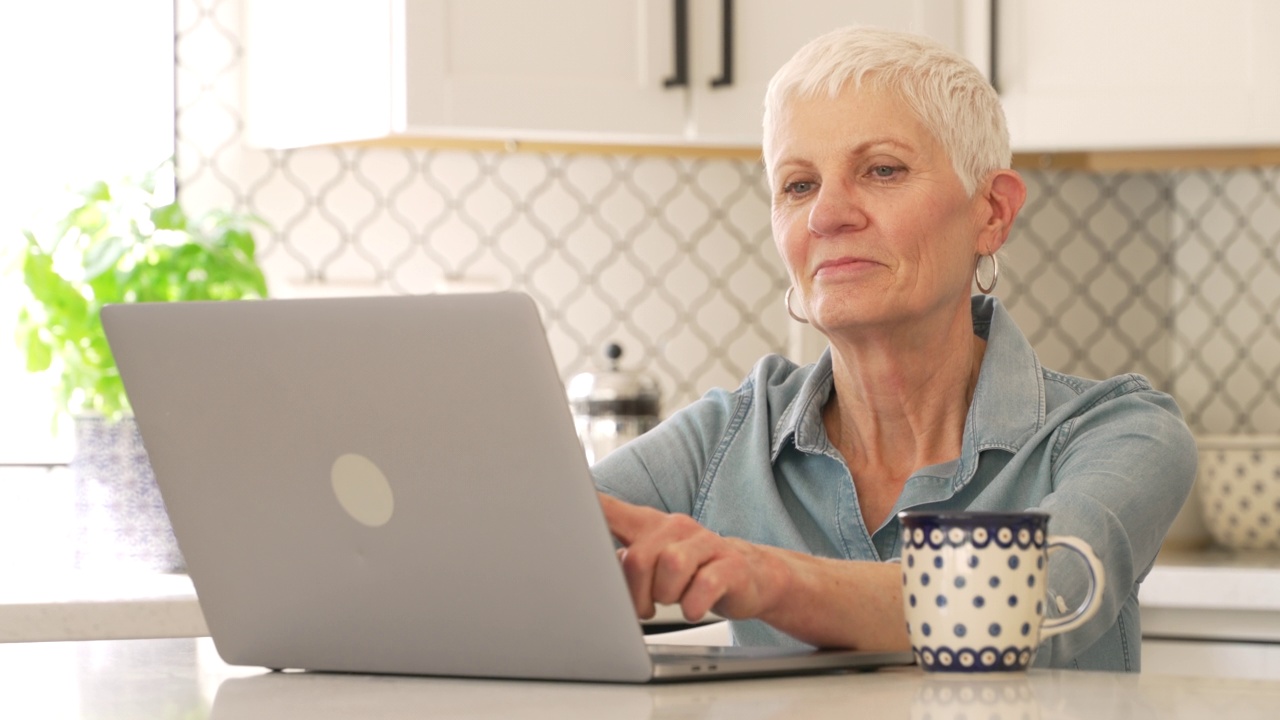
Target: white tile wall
1226	299
1172	275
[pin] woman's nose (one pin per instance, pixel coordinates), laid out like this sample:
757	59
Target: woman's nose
836	209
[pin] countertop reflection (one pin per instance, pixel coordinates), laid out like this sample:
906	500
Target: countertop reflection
184	679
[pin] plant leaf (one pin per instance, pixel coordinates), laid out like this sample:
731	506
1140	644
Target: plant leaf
132	249
240	240
102	256
39	354
49	287
97	192
169	217
89	219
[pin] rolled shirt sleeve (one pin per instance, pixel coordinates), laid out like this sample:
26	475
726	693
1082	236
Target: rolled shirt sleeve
663	468
1120	473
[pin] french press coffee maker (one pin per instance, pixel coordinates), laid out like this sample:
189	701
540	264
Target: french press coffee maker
613	407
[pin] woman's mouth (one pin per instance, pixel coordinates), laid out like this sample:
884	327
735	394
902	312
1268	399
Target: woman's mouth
841	267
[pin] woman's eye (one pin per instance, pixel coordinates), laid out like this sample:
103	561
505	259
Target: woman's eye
799	187
885	172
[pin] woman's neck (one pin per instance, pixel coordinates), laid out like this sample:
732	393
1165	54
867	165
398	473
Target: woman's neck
900	397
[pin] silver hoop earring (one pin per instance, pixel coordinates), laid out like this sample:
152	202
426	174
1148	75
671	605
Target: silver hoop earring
786	300
986	288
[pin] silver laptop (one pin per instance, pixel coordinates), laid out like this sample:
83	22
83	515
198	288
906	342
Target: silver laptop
393	485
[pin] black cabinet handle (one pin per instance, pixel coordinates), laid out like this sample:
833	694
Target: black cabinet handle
726	46
680	78
994	47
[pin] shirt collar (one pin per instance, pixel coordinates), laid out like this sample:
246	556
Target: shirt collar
1008	402
802	418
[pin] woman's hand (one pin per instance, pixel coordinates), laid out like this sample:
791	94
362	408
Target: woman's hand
671	559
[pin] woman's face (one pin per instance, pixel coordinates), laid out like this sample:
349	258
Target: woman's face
868	214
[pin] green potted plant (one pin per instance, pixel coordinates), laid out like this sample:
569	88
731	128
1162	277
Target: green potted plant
120	243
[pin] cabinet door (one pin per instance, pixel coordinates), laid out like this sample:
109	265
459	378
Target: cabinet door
1099	74
570	70
767	34
550	69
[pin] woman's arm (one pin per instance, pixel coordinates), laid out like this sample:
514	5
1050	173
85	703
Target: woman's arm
1121	473
671	559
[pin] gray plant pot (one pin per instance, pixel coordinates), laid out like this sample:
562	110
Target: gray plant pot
121	523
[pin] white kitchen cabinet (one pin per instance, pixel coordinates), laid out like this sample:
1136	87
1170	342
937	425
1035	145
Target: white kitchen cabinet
767	33
1079	75
548	70
1200	658
1139	74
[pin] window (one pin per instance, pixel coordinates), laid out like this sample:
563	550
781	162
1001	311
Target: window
87	91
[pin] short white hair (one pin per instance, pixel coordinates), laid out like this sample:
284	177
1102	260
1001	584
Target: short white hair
950	96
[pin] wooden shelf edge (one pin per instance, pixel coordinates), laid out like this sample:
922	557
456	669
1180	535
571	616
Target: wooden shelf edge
571	148
1140	160
1087	161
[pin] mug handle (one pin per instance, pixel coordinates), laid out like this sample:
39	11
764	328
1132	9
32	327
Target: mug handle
1097	581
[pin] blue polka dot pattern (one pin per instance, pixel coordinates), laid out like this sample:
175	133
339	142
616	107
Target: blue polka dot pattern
1239	486
967	585
975	660
1006	530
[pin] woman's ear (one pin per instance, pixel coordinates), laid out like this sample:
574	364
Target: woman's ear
1004	196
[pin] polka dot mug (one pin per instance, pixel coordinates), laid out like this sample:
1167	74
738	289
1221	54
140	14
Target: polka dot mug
974	591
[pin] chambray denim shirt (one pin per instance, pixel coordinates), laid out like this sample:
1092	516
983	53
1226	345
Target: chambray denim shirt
1111	461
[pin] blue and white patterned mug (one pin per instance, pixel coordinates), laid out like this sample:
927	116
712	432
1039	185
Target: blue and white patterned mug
974	590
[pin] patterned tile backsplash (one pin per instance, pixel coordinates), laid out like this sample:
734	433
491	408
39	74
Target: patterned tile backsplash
1173	275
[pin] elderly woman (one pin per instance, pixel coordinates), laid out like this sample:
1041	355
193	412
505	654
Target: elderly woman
775	504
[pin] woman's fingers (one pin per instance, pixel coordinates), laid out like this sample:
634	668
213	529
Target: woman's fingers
660	562
626	521
639	582
678	563
631	525
671	559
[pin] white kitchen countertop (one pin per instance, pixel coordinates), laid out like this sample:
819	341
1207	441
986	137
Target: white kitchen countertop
86	606
1196	595
183	678
1236	581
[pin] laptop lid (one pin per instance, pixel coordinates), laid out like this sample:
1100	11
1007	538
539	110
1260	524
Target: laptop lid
384	485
